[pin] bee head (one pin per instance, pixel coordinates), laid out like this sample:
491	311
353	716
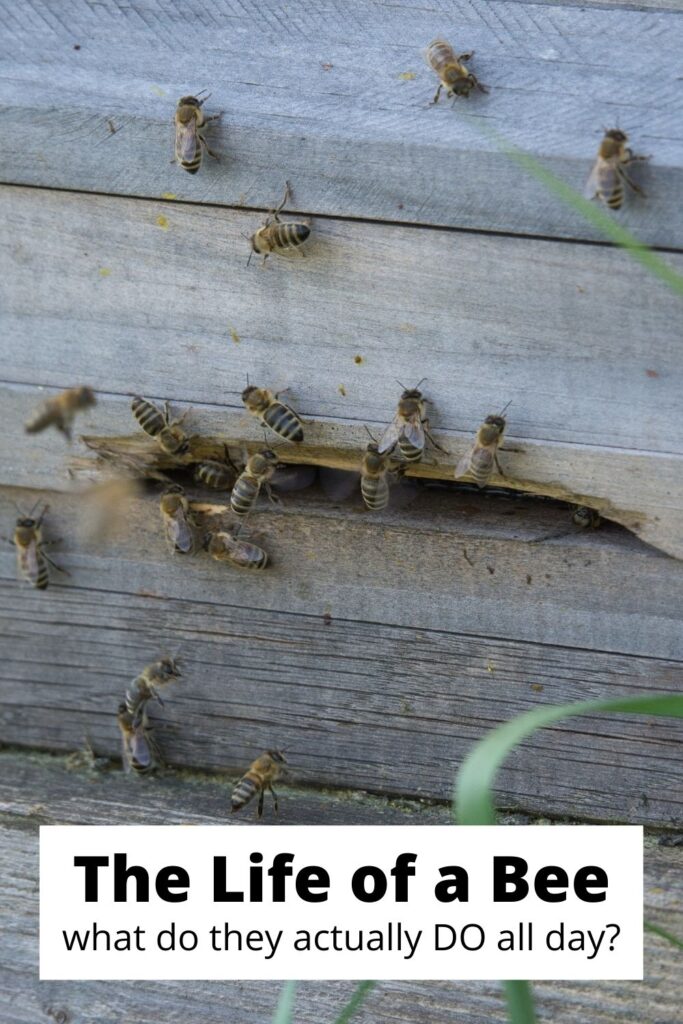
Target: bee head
616	135
277	755
464	86
168	667
189	101
172	501
85	396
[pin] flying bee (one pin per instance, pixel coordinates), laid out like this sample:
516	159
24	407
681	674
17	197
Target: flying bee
227	547
262	773
146	686
409	427
606	180
454	77
266	407
140	752
220	476
32	562
59	411
179	524
171	438
276	237
190	121
586	517
483	456
374	478
257	473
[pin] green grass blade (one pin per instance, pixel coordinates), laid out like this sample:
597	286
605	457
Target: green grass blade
664	934
590	211
285	1005
358	997
520	1000
473	800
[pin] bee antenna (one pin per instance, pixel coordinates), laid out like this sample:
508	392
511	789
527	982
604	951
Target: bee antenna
419	383
250	255
505	408
402	385
372	437
205	98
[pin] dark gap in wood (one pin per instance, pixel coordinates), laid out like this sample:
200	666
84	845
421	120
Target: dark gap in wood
205	204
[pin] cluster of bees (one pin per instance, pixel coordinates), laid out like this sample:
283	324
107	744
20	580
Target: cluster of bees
404	441
140	751
606	181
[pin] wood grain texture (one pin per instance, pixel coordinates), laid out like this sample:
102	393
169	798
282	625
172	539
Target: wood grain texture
490	567
95	290
368	704
39	790
337	99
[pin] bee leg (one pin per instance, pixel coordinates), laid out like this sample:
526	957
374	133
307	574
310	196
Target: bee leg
437	94
466	56
263	261
498	466
274	796
286	196
435	444
259	810
209	151
58	568
632	185
272	497
482	88
167	414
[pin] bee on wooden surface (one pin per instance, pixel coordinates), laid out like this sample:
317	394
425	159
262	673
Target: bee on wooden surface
225	546
409	427
32	562
262	773
171	438
454	77
267	408
257	473
606	180
140	752
179	525
483	456
220	476
60	410
276	237
190	121
374	478
87	758
586	517
145	687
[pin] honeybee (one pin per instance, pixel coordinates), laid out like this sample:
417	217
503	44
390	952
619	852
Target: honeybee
454	77
483	456
140	752
409	427
276	237
60	410
262	773
227	547
189	138
267	408
32	562
171	438
179	524
256	474
586	517
146	686
606	180
220	476
374	478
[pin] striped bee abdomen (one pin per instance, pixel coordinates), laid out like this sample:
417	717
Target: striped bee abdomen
248	556
408	450
481	467
244	494
148	416
45	417
284	421
616	198
375	491
288	236
193	165
245	790
215	474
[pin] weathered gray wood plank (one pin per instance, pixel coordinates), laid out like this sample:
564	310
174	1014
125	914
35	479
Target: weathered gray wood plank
359	704
488	568
594	388
320	97
38	790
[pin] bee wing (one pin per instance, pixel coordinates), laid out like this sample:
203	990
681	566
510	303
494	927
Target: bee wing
603	179
463	467
414	432
389	438
337	484
140	750
180	534
186	140
27	562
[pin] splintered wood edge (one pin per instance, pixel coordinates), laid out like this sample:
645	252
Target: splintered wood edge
646	527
